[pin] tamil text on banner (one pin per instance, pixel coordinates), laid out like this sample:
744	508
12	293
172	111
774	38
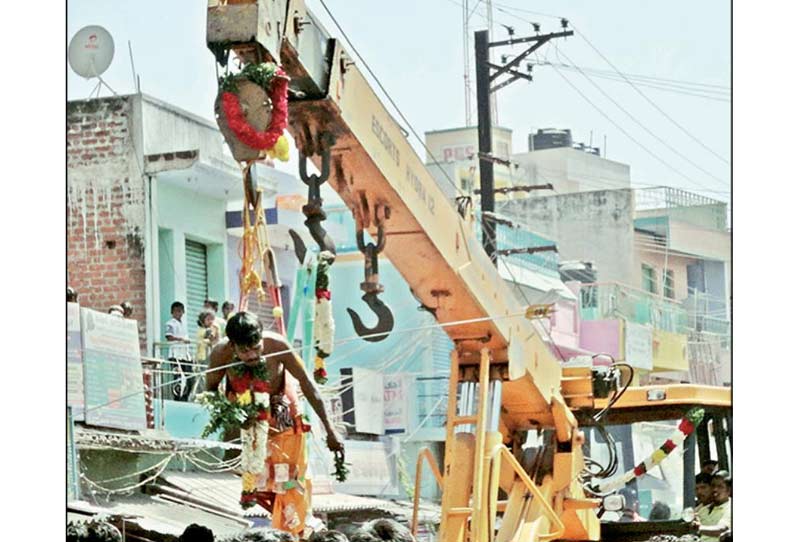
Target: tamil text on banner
395	402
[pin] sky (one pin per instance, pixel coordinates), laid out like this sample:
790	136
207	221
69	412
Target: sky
415	48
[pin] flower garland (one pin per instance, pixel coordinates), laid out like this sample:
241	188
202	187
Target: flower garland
323	317
247	408
685	428
274	81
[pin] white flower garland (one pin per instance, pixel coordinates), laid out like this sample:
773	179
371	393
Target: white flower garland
324	326
254	440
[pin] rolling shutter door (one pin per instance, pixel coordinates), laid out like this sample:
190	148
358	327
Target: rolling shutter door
196	274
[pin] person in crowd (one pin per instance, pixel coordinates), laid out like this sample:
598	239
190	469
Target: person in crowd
71	295
631	509
92	530
207	335
178	353
116	310
212	305
715	519
196	533
702	491
126	306
228	309
246	342
260	534
659	512
328	536
382	530
709	466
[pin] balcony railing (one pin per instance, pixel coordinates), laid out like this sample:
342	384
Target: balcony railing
600	301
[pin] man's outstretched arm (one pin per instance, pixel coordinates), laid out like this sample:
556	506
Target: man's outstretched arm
294	365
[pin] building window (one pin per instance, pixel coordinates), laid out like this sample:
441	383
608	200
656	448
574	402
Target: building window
669	284
648	279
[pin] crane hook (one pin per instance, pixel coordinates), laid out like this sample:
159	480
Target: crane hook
313	210
385	323
371	288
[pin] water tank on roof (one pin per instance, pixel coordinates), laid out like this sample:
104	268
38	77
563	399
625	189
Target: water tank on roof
549	138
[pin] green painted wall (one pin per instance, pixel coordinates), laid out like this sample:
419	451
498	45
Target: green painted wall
187	214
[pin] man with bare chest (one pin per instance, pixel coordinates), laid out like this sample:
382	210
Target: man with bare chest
270	366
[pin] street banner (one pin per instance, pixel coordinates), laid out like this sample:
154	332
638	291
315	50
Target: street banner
75	395
363	405
113	373
395	403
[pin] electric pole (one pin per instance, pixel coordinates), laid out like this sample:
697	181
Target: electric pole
487	73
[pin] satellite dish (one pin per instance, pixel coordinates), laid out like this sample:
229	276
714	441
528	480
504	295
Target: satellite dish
91	51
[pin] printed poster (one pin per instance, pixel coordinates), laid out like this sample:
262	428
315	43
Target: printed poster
113	376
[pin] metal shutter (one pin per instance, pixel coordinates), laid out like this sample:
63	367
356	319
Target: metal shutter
196	275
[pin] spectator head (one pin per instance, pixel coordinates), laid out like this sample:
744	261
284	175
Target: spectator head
127	308
721	487
328	536
116	310
703	488
245	333
382	530
630	496
206	318
93	530
211	304
227	309
261	534
659	512
196	533
177	310
710	466
71	295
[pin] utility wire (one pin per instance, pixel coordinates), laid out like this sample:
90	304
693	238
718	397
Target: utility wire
653	104
619	127
391	101
677	83
659	109
675	89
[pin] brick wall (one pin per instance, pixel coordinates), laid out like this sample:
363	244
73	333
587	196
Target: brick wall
105	205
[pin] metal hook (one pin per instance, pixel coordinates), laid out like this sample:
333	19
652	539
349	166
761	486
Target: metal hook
385	323
313	210
372	288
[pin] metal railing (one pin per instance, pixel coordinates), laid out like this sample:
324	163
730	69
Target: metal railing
598	301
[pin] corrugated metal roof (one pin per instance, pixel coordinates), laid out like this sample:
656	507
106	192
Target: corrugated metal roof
219	489
223	490
339	502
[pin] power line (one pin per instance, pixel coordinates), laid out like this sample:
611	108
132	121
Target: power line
655	106
632	117
678	83
388	97
659	109
619	127
513	15
715	96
